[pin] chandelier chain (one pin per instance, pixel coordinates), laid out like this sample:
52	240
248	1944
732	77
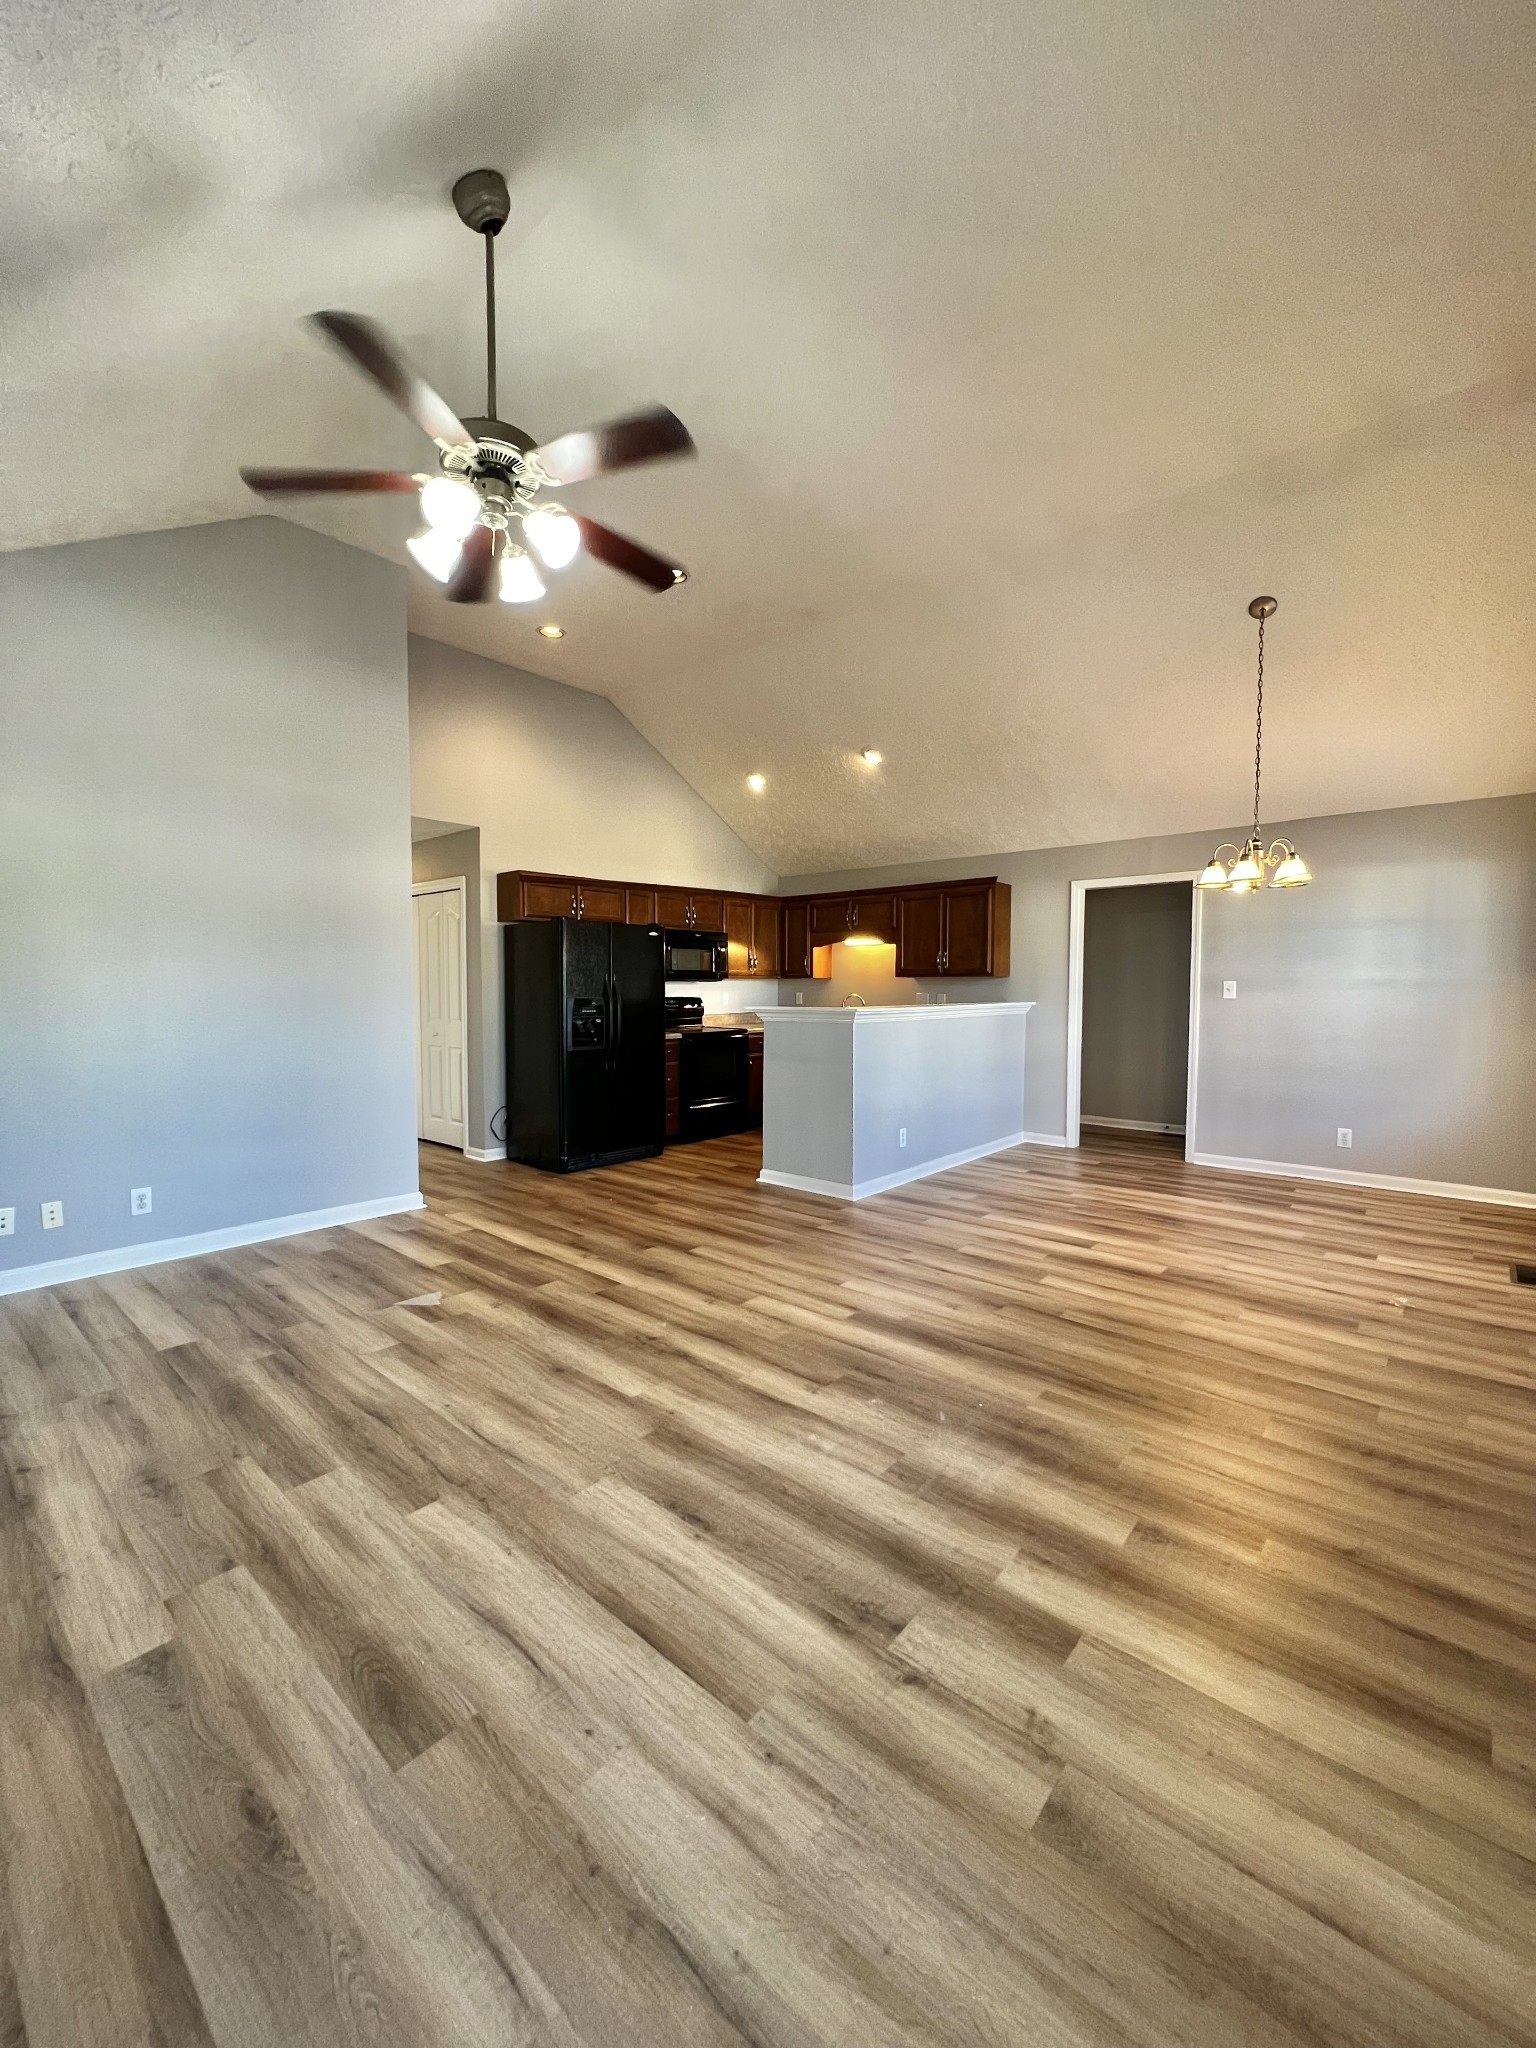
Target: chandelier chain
1258	733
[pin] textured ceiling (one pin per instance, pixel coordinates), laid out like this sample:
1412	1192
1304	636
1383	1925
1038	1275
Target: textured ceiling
1022	343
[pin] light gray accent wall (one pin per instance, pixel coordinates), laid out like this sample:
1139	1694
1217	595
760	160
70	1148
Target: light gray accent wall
554	778
808	1101
441	858
1396	995
205	927
1136	1003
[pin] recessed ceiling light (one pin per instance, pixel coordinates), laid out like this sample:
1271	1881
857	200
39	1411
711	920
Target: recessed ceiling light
757	783
552	632
871	757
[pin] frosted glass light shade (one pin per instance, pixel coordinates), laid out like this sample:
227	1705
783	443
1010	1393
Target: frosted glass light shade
436	550
449	505
555	534
520	581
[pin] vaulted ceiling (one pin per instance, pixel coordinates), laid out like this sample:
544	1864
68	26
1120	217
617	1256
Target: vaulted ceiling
1023	343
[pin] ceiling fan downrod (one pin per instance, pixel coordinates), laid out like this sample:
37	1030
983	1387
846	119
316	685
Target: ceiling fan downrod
482	202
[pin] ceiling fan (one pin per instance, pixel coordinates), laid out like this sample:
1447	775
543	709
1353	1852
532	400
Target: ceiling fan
490	475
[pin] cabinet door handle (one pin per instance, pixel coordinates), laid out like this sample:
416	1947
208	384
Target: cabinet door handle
853	916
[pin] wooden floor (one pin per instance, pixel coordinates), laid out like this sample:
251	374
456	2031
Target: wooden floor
1077	1599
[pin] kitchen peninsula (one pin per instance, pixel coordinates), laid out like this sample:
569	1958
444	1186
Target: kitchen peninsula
859	1100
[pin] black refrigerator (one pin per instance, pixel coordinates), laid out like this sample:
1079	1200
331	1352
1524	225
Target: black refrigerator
586	1078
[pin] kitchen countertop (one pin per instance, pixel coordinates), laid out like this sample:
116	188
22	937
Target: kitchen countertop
723	1020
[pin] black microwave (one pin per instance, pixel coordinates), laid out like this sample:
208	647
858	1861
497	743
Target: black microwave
694	956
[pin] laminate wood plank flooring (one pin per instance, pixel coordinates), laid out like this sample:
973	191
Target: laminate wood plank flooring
1079	1601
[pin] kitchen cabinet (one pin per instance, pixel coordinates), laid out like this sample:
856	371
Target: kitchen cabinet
796	947
699	910
871	912
673	1069
639	905
955	929
755	1079
520	896
752	929
601	901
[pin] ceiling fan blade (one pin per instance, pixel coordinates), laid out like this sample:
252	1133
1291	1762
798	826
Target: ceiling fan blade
303	483
629	558
618	444
370	348
470	582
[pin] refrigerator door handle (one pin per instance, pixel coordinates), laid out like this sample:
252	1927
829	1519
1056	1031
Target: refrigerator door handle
611	1002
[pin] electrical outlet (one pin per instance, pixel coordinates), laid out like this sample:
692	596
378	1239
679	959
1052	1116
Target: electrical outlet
53	1215
941	999
140	1201
1229	990
799	995
901	1136
7	1222
1346	1136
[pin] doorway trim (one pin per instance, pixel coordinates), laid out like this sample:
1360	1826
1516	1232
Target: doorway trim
1077	917
447	886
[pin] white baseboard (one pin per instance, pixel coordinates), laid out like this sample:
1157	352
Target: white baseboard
55	1272
1131	1123
1346	1177
490	1152
1044	1138
856	1191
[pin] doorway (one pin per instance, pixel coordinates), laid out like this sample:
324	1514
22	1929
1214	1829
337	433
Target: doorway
442	1005
1133	987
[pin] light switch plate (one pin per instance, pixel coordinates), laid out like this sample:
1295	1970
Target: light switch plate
7	1222
1229	990
53	1215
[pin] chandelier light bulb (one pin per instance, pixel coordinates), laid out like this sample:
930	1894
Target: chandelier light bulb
554	533
436	551
1212	876
520	581
449	505
1292	873
1247	869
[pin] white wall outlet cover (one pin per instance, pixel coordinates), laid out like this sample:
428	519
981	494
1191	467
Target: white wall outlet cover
1346	1137
799	995
53	1215
7	1222
140	1201
1229	990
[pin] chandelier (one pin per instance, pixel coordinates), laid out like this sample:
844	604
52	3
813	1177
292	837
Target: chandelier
1253	866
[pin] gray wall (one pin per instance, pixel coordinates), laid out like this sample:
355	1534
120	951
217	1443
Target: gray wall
556	778
1396	995
1136	1003
205	927
438	859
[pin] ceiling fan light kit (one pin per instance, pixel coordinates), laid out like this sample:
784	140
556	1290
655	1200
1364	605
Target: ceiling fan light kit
490	473
1253	865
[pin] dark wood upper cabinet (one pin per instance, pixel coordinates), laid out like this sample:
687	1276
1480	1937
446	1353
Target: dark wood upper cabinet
968	930
960	929
795	961
672	907
919	932
738	932
765	938
520	895
601	901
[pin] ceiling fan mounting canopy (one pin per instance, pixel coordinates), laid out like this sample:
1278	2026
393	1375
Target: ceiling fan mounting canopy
482	201
501	464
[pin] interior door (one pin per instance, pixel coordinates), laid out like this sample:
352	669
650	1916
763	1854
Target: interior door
440	1021
966	921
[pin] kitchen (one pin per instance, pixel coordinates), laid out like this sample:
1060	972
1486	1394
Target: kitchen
613	1051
